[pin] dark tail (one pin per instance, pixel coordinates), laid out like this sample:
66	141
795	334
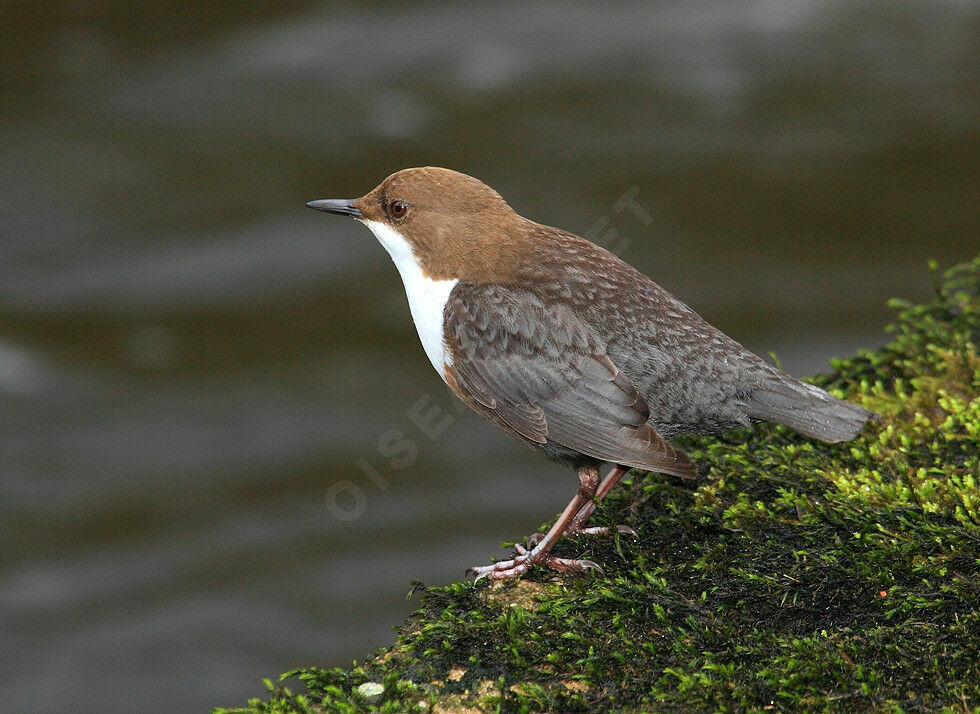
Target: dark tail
805	408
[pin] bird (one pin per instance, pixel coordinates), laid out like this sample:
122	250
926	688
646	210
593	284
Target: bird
568	348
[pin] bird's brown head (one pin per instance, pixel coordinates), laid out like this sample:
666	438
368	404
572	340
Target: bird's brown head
456	226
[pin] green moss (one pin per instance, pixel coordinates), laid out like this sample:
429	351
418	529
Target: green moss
798	575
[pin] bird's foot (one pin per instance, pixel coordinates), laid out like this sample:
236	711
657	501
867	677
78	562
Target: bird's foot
536	538
571	520
524	560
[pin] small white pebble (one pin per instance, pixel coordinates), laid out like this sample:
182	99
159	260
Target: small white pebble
371	690
422	706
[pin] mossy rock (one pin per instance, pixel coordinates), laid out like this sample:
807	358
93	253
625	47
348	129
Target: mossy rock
796	576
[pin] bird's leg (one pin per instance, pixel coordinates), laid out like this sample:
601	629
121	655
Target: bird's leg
577	526
605	486
588	482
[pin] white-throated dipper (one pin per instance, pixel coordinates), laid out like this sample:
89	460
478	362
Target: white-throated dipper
567	348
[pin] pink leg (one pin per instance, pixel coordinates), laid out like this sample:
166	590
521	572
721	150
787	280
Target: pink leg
577	526
611	479
588	482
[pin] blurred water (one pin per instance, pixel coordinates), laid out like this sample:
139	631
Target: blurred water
191	362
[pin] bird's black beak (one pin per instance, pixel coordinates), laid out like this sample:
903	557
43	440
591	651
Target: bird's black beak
340	206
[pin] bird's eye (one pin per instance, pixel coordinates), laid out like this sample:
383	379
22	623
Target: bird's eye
398	208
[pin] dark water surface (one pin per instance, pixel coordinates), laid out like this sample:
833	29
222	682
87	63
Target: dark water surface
192	364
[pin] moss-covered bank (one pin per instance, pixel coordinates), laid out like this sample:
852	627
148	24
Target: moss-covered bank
798	575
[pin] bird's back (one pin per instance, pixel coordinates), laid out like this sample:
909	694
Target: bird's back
694	378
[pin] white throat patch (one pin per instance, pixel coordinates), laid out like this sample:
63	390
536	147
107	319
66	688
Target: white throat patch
426	297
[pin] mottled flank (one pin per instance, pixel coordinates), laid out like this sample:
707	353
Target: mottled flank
693	377
797	576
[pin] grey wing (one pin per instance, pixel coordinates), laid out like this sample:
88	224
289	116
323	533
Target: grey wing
546	377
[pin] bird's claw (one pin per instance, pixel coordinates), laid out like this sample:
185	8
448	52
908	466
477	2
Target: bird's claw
524	560
536	538
606	530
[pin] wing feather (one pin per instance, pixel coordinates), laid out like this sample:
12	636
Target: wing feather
545	375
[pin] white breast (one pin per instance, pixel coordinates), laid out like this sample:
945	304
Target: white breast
426	297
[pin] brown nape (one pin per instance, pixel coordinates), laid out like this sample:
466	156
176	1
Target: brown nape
459	227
